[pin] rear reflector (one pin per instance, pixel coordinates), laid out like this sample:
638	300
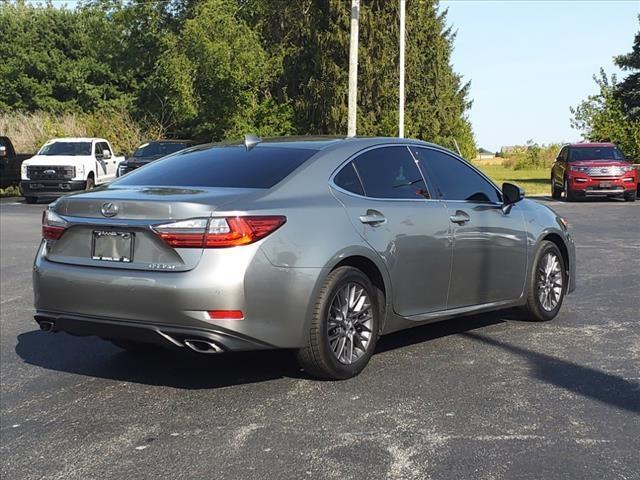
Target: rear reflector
53	225
218	232
226	315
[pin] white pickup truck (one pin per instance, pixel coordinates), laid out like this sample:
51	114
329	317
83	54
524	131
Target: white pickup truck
65	165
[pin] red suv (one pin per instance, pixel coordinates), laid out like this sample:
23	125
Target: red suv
593	169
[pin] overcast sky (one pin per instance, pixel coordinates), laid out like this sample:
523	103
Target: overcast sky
529	61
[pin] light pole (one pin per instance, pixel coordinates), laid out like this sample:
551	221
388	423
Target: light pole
353	69
403	4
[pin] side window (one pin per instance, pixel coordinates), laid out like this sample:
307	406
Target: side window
105	146
563	154
453	179
348	180
99	148
390	172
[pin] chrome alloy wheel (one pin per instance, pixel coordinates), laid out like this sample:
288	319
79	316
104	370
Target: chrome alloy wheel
349	323
550	281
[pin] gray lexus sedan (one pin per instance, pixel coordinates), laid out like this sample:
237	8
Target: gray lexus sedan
315	244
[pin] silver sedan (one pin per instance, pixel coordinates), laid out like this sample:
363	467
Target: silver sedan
319	245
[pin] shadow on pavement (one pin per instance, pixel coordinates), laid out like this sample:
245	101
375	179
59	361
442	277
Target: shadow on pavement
588	382
93	357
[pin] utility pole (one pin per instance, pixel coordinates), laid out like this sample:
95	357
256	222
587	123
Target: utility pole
403	4
353	69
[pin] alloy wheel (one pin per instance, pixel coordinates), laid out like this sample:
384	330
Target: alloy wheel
550	281
349	324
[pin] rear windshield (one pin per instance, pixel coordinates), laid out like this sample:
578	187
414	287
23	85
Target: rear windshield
66	148
159	148
228	166
594	153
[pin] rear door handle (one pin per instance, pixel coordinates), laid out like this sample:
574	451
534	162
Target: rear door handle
460	217
373	217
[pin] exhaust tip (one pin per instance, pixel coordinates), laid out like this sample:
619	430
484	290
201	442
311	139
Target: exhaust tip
46	325
202	346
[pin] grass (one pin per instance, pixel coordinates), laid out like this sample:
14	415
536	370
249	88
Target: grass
534	181
9	192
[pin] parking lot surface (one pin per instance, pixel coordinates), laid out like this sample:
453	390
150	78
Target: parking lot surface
482	397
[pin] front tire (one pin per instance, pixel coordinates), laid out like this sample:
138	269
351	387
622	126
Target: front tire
344	326
31	200
547	283
630	197
556	192
570	195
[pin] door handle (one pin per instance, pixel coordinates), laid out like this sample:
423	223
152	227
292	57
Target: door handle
460	217
373	217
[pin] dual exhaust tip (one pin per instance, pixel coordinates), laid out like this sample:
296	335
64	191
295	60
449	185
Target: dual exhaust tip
198	345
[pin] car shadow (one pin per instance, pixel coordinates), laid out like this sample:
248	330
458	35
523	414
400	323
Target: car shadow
94	357
585	381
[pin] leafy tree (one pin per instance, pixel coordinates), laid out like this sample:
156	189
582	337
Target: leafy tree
628	91
601	117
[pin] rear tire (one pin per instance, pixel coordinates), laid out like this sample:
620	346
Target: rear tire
630	197
344	326
31	199
547	283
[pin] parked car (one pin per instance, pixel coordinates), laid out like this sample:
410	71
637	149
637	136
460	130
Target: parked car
150	151
317	245
10	162
65	165
593	169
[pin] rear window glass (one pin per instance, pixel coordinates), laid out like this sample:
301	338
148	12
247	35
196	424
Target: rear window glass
227	167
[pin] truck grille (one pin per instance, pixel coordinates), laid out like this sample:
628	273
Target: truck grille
51	173
604	171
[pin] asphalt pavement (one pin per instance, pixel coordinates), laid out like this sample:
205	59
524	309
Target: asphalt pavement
481	397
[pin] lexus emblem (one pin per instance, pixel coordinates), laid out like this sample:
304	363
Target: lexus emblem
109	209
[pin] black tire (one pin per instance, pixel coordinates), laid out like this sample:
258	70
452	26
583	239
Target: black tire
317	357
570	195
630	196
534	310
134	347
90	183
556	192
31	199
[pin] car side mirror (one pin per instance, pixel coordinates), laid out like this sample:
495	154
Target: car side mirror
106	154
511	194
3	151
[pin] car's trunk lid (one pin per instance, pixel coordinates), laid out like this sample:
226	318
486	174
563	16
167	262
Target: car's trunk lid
113	227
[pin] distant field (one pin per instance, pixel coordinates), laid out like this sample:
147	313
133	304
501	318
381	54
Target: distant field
534	181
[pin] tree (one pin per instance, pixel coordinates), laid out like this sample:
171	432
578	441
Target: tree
627	92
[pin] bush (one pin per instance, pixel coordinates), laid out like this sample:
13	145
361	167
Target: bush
29	131
9	192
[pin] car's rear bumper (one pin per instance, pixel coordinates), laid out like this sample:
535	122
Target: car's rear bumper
50	188
92	300
165	335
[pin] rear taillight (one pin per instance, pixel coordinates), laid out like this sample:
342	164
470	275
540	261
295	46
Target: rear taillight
53	225
218	232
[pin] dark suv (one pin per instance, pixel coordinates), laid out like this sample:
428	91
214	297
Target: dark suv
150	151
593	169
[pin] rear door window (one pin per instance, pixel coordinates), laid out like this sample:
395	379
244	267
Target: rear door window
390	172
453	179
221	166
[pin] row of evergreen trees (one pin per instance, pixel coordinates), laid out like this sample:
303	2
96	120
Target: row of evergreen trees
214	69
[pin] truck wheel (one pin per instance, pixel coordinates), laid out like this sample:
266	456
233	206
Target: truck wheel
547	283
570	195
31	199
556	192
630	197
344	327
90	184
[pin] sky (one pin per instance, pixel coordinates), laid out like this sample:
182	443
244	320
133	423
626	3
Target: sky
529	61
